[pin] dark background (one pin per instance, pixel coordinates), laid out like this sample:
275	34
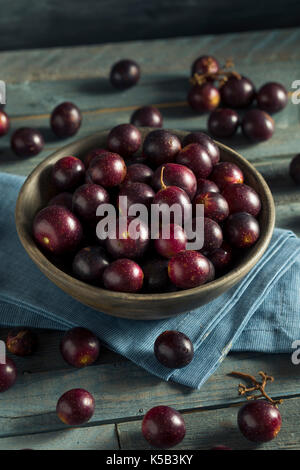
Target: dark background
45	23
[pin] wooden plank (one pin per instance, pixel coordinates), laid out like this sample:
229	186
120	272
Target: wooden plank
48	357
175	55
124	391
96	93
212	427
164	82
286	140
85	438
287	216
57	23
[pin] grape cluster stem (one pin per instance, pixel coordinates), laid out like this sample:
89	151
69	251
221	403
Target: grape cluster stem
257	386
221	76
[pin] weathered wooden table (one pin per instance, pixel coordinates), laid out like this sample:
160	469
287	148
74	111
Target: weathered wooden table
38	80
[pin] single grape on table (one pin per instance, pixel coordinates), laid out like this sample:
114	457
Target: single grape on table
272	97
259	421
4	123
80	347
257	125
205	65
27	142
65	120
204	98
223	122
21	342
125	74
163	427
8	375
173	349
237	92
295	169
75	407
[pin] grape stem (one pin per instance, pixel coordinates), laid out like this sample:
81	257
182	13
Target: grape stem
222	75
256	386
162	178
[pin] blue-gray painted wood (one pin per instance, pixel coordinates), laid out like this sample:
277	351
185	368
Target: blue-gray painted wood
87	438
209	428
124	392
173	56
37	81
48	357
49	23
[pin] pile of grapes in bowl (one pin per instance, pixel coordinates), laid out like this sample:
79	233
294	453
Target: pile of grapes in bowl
62	209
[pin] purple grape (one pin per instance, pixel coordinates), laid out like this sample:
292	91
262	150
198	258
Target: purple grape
160	147
27	142
204	65
237	92
89	264
65	119
80	347
206	142
173	349
223	122
75	407
8	375
163	427
257	125
272	97
125	74
68	173
124	139
147	116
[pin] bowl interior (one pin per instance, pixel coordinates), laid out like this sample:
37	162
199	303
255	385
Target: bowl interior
37	191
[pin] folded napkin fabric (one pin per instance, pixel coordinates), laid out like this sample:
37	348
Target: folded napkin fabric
260	313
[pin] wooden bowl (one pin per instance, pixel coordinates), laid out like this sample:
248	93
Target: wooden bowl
37	191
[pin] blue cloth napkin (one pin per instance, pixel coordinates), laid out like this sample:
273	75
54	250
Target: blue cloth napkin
261	313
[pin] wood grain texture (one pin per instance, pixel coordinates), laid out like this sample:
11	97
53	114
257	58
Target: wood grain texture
54	23
285	142
212	427
157	56
85	438
125	392
37	81
30	104
80	75
48	357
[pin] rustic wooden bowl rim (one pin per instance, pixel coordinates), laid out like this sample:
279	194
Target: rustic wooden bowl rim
38	257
